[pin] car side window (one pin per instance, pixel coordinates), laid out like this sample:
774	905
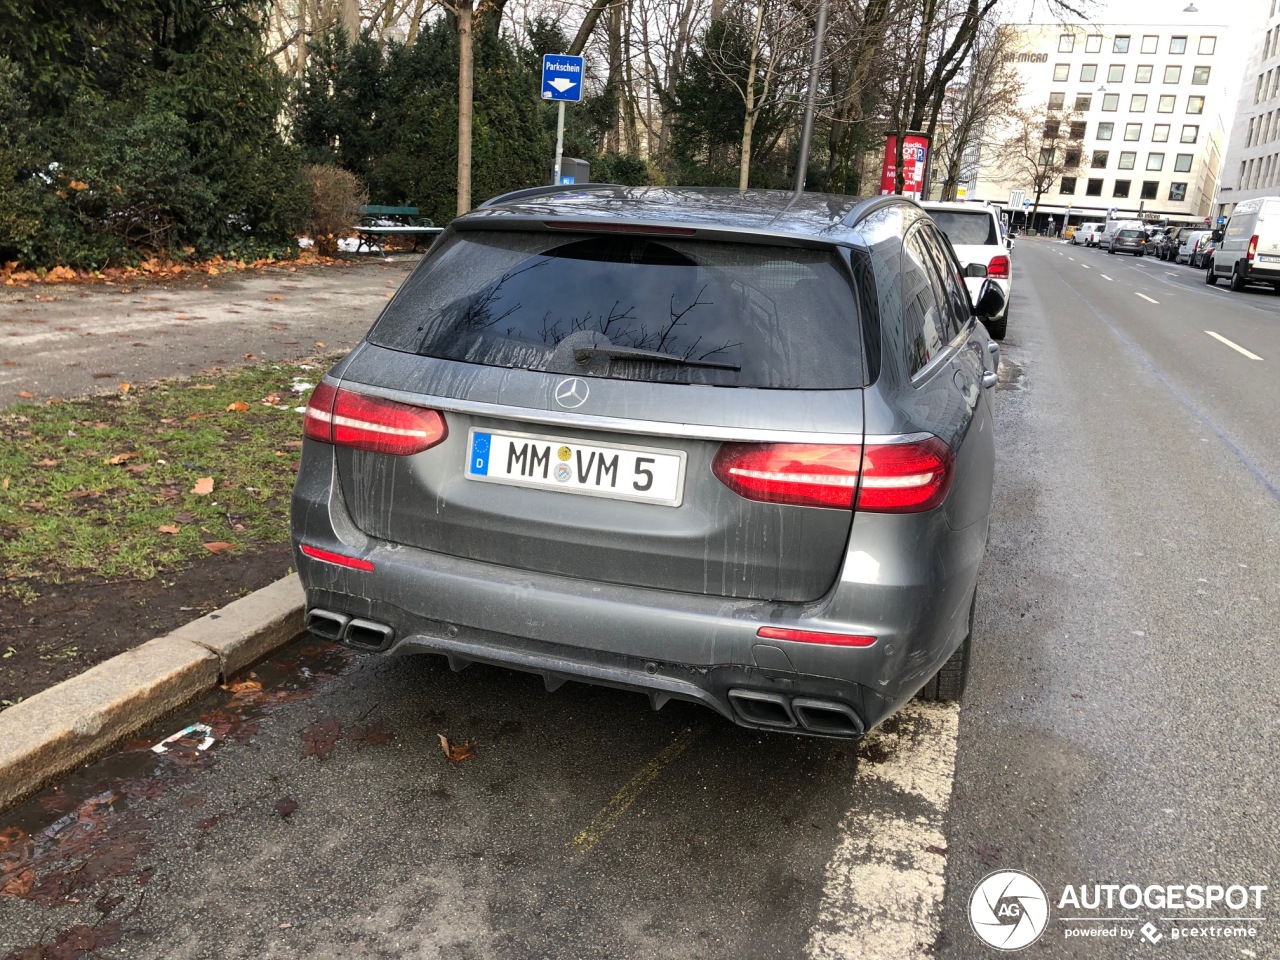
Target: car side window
922	311
957	310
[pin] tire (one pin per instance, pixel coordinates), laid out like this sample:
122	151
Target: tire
1209	276
947	685
997	327
1237	279
1111	250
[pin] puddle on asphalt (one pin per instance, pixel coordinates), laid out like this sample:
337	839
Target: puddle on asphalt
94	826
1011	375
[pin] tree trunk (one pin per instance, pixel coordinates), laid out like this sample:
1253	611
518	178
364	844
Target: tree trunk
465	84
744	165
749	116
614	83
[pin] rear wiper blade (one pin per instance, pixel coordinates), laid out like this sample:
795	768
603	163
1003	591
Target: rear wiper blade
583	354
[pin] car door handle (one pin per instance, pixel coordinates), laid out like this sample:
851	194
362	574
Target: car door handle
989	379
993	348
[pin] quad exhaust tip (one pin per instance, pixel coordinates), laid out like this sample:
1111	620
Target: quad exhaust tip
353	631
825	717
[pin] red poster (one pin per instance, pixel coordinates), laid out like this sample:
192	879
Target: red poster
915	153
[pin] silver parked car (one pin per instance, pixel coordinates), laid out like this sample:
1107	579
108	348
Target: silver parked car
731	449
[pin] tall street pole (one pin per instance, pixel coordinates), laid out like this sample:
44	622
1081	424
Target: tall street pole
802	163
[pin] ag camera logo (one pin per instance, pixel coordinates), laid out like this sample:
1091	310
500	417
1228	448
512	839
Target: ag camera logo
1008	910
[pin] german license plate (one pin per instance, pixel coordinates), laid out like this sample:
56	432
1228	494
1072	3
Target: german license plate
618	471
1269	259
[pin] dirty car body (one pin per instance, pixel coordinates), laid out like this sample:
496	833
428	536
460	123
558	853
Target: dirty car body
731	449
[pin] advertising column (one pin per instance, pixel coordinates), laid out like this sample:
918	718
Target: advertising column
915	158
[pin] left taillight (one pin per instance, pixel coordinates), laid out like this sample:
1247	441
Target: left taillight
1253	247
345	418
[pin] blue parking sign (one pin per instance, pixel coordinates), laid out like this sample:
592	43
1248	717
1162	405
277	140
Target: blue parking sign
562	77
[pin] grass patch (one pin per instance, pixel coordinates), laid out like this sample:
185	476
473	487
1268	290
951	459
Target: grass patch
104	485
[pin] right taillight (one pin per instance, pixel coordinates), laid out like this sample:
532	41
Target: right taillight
887	478
998	268
1253	246
348	419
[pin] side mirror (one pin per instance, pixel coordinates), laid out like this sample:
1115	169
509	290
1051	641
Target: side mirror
990	303
975	270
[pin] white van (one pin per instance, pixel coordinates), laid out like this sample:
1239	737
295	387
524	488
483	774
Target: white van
1088	233
1250	247
1115	226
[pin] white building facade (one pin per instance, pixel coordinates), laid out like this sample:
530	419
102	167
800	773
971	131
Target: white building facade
1149	99
1252	165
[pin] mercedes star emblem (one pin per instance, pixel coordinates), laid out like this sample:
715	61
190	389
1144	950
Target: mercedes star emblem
572	392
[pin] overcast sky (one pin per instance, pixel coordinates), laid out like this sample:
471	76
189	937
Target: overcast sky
1235	12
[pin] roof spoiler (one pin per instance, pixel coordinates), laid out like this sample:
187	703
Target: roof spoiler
550	190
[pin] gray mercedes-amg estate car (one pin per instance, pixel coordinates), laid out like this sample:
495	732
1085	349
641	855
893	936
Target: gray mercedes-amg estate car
722	447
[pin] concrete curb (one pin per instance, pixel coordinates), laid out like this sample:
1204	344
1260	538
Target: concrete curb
73	722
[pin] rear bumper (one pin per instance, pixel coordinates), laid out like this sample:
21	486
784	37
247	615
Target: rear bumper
1269	272
666	644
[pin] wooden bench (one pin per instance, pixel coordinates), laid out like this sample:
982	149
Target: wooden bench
404	221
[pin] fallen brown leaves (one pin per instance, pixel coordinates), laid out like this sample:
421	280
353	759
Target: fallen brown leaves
457	752
203	487
156	268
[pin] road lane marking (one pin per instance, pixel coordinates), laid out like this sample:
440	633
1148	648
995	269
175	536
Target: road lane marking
612	812
1072	259
1233	346
882	896
1085	265
1105	277
1146	298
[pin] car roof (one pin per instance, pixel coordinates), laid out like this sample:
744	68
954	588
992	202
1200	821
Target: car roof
968	206
821	216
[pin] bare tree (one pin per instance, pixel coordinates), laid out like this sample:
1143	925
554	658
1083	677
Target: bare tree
1040	146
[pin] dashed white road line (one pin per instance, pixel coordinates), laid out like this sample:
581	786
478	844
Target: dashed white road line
882	897
1072	259
1085	265
1105	277
1145	297
1234	346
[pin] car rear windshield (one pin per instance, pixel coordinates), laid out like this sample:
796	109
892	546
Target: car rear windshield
962	227
1131	233
726	314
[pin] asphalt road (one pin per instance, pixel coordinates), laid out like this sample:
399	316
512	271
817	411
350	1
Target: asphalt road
1121	728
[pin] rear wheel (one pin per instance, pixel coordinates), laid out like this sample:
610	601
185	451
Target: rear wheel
947	685
1237	279
997	327
1209	276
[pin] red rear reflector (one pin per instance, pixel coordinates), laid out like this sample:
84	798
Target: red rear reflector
889	477
905	477
337	558
814	636
349	419
802	474
998	268
1253	246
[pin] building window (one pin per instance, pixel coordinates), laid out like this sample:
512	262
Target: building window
1088	72
1142	74
1056	100
1078	128
1067	42
1093	43
1172	73
1190	133
1195	105
1177	191
1128	158
1160	133
1068	186
1104	130
1149	188
1093	188
1207	46
1133	131
1182	163
1177	44
1200	76
1083	102
1121	189
1138	103
1166	103
1149	42
1046	156
1061	72
1115	73
1120	45
1111	102
1155	161
1099	160
1050	129
1073	159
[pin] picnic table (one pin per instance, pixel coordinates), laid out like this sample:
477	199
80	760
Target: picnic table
383	221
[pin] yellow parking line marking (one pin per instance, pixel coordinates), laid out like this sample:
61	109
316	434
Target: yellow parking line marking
1233	346
1105	277
1146	298
612	812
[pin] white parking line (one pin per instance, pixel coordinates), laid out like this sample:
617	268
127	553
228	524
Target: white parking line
1145	297
1105	277
1233	346
882	896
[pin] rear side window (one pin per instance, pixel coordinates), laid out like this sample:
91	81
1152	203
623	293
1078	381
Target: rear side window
726	314
962	227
